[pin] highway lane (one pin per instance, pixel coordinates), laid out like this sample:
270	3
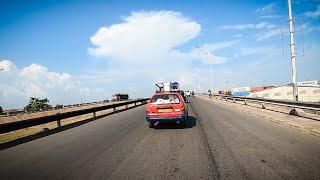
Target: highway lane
120	146
246	147
220	144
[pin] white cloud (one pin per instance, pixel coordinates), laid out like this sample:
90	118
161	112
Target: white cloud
267	8
313	14
145	46
238	35
202	55
261	25
143	34
266	51
18	85
220	45
270	16
268	34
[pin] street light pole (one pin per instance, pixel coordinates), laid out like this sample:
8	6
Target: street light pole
199	79
293	54
227	85
211	64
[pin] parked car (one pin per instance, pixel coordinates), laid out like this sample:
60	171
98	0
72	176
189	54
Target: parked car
167	107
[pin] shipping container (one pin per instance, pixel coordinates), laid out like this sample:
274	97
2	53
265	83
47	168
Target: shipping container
241	93
256	89
268	87
241	89
309	83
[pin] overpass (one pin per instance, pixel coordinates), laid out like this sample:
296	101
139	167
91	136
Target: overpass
220	143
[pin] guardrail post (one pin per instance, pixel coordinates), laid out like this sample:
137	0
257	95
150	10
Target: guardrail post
234	100
114	109
245	102
135	104
94	115
58	123
263	106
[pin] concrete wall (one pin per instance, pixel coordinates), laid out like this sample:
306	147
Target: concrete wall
306	94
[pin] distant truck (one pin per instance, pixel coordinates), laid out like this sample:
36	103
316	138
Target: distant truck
120	97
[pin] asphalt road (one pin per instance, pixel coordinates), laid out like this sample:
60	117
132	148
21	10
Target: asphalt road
219	144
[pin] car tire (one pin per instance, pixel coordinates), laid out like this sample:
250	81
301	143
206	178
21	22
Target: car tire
151	125
186	122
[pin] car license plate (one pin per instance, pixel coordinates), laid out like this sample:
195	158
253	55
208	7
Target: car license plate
164	110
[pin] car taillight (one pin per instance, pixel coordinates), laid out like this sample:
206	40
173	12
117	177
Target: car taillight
150	109
179	109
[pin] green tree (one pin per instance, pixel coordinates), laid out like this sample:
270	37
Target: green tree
36	104
58	106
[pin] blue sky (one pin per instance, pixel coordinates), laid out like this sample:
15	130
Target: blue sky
72	51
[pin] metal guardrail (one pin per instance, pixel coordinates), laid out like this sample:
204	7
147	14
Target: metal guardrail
296	108
292	104
16	125
21	111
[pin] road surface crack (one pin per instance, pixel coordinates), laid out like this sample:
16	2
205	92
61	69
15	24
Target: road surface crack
212	161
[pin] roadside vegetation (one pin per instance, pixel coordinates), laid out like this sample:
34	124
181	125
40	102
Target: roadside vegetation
36	104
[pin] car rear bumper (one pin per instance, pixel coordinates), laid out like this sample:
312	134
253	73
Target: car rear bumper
180	118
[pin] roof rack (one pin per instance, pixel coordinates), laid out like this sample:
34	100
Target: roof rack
167	87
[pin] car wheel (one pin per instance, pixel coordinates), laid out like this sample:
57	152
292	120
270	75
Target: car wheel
151	125
186	122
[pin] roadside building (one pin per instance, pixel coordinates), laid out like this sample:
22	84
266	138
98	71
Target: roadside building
305	93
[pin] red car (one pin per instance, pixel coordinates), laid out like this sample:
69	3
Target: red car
167	107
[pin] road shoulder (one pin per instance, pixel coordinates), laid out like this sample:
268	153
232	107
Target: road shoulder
304	125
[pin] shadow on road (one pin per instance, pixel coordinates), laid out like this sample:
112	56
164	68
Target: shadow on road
49	132
192	122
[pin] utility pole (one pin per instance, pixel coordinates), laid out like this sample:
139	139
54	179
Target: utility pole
211	63
227	86
199	79
293	54
211	72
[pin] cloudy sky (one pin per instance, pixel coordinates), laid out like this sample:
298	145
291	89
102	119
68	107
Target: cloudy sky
82	51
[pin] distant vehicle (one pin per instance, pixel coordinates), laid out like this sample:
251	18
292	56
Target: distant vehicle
188	93
120	97
167	105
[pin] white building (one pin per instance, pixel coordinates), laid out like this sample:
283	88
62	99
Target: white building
305	93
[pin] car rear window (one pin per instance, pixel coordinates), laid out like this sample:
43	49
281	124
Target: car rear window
165	99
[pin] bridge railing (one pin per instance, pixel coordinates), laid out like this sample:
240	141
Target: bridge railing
295	107
21	124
